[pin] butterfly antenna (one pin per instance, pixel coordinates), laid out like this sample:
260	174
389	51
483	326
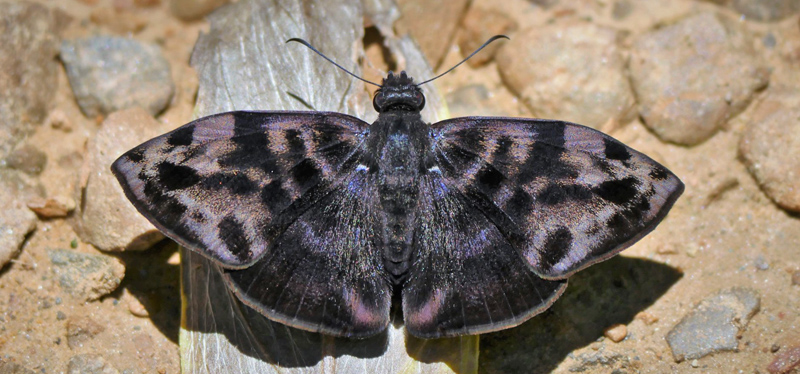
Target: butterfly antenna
305	43
468	57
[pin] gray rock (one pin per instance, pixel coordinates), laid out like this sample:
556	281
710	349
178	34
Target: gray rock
691	77
569	73
12	368
28	68
189	10
16	220
27	159
90	363
107	219
112	73
714	325
770	146
767	10
86	276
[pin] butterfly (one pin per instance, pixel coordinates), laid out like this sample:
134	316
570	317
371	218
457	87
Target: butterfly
319	220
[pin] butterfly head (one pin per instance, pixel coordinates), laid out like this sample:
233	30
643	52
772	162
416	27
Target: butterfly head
398	92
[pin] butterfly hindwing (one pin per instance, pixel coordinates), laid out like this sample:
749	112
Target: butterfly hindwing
466	276
325	272
227	185
566	195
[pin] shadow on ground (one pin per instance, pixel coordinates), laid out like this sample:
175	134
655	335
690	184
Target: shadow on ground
603	295
156	284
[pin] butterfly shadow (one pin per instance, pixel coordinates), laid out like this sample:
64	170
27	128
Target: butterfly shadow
609	293
155	283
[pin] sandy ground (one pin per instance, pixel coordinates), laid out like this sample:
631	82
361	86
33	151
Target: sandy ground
723	232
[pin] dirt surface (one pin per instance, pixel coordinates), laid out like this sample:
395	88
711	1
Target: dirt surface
724	232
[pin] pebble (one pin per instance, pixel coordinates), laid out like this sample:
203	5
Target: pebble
785	361
770	146
431	24
107	219
16	220
60	316
713	325
647	318
90	363
477	27
616	333
27	159
57	119
113	73
766	11
796	278
691	77
86	276
761	263
80	330
52	207
189	10
572	73
28	68
137	308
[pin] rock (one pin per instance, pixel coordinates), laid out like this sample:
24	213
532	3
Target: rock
16	220
112	73
12	368
785	361
137	308
796	278
691	77
90	363
616	333
569	73
80	330
770	146
477	27
767	10
86	276
107	219
52	207
59	120
471	100
28	68
431	24
189	10
713	325
27	159
647	318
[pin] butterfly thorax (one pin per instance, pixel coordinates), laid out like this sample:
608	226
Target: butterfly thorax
399	139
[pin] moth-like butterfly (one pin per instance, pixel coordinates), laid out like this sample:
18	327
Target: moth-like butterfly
318	220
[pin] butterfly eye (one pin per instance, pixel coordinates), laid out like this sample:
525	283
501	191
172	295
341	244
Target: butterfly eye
377	101
420	99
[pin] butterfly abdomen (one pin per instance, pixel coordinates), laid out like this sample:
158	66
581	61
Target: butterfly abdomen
400	142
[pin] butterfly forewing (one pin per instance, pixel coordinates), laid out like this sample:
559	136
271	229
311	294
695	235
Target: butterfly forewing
227	185
565	195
